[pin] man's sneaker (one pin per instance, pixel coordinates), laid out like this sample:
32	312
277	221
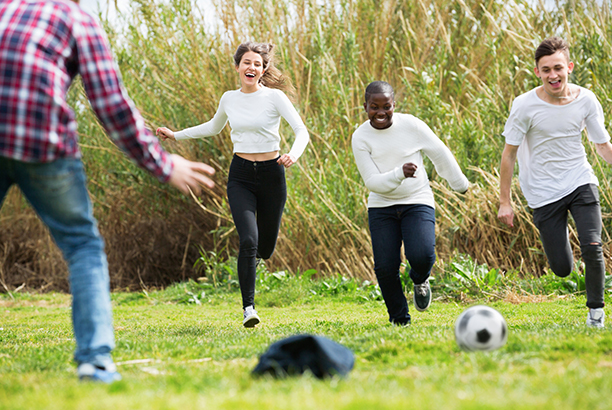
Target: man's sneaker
250	317
422	296
596	318
108	374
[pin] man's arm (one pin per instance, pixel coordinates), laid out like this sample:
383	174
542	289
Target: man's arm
605	151
505	213
122	120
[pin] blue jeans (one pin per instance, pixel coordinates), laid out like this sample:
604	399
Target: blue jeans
414	225
57	192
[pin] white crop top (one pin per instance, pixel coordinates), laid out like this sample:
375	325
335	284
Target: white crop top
254	120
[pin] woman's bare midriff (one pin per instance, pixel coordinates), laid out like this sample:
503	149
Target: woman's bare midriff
260	156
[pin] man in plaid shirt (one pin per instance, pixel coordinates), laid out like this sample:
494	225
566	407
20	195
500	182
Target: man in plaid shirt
44	44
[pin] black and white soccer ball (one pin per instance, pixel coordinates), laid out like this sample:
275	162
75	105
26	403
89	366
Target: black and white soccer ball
480	328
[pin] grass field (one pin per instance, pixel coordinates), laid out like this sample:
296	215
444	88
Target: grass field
176	354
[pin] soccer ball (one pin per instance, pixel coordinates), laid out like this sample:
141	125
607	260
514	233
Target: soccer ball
480	328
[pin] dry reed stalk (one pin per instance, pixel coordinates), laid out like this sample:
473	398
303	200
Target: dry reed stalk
455	64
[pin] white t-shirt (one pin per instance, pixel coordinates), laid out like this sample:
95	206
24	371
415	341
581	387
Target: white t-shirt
552	160
254	119
380	155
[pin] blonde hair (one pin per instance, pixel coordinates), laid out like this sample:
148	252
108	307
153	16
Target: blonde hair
272	77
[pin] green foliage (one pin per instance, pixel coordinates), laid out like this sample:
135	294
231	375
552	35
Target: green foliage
474	276
218	271
455	65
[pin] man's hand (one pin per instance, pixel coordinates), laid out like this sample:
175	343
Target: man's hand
190	175
506	214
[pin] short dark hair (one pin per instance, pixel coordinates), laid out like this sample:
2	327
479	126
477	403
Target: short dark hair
550	46
378	87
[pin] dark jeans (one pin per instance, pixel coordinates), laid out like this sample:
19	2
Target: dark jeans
551	220
389	226
256	192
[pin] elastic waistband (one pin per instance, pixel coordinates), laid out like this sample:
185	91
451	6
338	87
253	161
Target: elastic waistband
243	161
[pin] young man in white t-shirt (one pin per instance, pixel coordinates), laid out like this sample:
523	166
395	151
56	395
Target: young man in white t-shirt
544	131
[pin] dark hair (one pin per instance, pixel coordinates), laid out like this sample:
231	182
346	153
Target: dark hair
272	77
550	46
378	87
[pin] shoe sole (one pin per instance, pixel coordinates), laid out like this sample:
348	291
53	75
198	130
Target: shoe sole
251	321
101	378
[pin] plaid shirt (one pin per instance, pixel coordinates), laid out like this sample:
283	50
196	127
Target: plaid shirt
44	44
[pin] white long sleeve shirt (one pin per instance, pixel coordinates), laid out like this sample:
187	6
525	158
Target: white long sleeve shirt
381	154
552	160
254	119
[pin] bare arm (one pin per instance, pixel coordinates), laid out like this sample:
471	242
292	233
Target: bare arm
505	213
605	151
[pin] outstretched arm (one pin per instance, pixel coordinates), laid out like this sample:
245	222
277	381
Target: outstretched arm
188	175
165	133
123	121
505	213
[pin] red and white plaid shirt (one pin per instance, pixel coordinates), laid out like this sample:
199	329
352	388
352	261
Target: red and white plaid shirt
44	44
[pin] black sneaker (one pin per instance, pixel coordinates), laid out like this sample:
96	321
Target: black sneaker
422	296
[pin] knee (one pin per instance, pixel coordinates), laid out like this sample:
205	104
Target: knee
591	251
385	271
248	243
423	263
265	252
562	269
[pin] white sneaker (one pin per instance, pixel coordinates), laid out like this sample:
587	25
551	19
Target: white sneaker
108	374
596	318
250	317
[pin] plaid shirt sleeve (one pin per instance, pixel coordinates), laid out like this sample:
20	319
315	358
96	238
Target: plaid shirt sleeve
111	103
43	45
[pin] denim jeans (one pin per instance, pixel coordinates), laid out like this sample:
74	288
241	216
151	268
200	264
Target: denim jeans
414	225
57	191
551	221
256	192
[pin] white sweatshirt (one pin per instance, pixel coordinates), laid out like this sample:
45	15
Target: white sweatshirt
380	155
254	119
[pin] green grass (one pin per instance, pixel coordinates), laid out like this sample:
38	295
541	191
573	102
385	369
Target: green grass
199	356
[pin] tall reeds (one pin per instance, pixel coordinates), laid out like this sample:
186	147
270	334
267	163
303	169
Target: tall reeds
456	64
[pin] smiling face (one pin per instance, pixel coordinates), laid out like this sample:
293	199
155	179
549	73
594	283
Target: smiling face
554	71
250	71
379	108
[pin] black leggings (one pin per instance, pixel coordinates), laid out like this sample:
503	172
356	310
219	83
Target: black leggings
257	193
551	220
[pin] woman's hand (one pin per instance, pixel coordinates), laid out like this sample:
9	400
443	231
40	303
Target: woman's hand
287	160
164	133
